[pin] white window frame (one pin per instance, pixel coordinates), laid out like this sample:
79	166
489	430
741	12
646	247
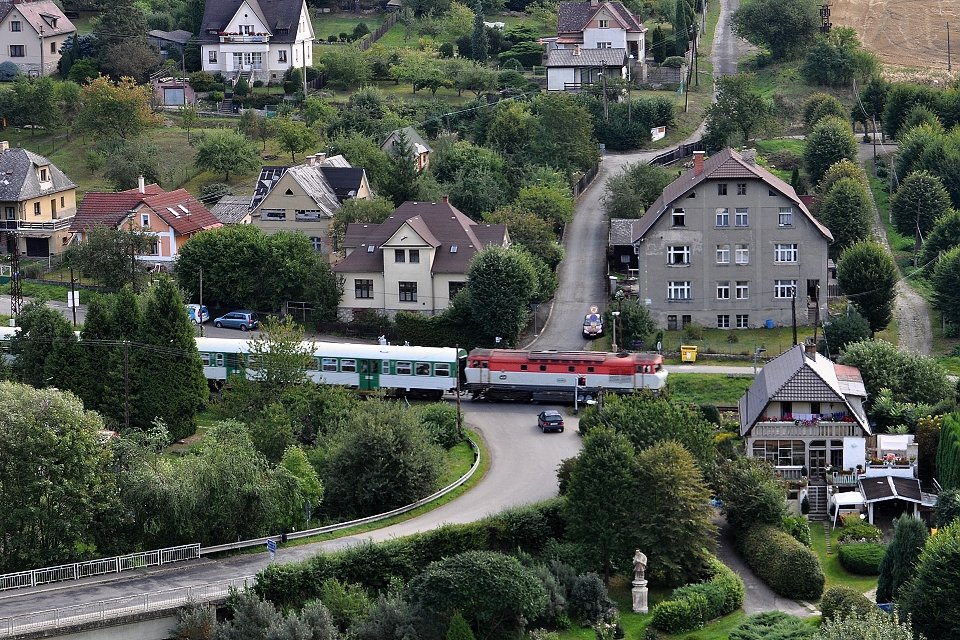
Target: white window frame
678	254
723	254
282	56
723	321
348	365
678	213
723	290
743	320
743	254
742	289
784	289
786	252
404	369
679	290
785	217
144	219
603	24
212	56
742	217
723	217
441	369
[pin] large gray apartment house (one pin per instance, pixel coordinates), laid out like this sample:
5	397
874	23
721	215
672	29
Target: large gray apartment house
728	244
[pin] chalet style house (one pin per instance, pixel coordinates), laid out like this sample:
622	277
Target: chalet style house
416	260
730	245
37	201
32	32
256	39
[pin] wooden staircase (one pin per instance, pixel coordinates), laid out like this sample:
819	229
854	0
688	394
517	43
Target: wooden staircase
817	498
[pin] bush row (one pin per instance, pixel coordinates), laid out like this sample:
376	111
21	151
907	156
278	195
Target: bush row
788	567
692	605
373	565
862	558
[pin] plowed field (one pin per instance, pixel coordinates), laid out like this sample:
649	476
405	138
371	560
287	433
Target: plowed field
907	33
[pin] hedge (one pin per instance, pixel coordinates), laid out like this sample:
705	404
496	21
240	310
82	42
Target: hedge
788	567
843	601
862	558
855	530
692	605
373	565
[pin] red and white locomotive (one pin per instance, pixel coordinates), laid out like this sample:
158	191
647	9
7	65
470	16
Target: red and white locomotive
505	374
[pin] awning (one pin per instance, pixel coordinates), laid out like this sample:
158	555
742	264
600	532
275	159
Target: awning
882	488
845	500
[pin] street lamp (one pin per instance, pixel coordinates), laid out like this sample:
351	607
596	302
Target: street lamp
535	306
615	314
756	358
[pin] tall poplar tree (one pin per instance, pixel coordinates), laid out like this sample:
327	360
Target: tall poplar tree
479	42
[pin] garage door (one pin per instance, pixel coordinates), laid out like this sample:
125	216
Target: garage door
173	97
38	247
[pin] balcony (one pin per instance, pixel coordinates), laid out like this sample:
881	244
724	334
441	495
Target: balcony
781	428
236	38
39	227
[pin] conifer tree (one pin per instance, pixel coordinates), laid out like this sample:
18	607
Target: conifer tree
459	628
479	42
900	560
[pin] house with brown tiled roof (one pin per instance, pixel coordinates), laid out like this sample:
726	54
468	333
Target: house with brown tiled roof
32	33
594	37
416	260
730	245
170	217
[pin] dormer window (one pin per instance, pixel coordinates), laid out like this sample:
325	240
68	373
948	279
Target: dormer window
43	174
603	24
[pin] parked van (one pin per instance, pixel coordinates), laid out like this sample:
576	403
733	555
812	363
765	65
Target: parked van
198	314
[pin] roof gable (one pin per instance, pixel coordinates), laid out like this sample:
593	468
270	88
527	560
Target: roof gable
46	15
19	180
725	164
281	17
181	211
573	17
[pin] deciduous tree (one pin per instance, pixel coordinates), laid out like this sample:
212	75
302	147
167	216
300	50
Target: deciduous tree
630	192
115	108
945	280
837	58
109	255
830	141
373	210
782	27
944	236
226	152
932	597
842	330
848	212
294	136
911	376
868	277
739	109
918	203
499	285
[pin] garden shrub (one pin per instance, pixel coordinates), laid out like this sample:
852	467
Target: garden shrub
677	616
723	592
862	558
788	567
201	81
799	528
843	601
521	527
855	530
347	602
588	598
772	625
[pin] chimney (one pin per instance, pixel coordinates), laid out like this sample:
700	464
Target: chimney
749	156
698	162
445	199
594	3
4	146
311	161
141	184
576	50
810	349
321	157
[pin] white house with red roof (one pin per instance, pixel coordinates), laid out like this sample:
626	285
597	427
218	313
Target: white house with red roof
171	217
593	38
32	33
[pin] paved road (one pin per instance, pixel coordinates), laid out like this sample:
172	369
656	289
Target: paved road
523	470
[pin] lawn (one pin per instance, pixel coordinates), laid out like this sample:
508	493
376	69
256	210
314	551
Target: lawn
708	388
84	23
835	574
335	23
775	341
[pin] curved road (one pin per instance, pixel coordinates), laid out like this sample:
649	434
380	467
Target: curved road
523	470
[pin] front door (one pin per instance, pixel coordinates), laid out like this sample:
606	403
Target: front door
818	462
369	375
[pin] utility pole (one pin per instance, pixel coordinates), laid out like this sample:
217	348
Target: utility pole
949	62
16	289
200	310
41	51
459	415
793	311
304	43
603	84
126	384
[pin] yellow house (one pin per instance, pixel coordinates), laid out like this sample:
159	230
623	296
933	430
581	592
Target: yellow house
305	197
38	203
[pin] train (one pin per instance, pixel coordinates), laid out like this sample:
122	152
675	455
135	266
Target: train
429	372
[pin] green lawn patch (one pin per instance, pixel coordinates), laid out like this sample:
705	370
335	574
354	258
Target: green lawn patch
708	388
84	23
835	574
775	341
774	145
335	23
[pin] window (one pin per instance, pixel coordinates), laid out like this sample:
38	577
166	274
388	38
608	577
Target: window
423	368
308	214
144	219
722	189
385	367
317	243
743	290
44	175
784	288
404	368
723	217
454	288
399	255
36	208
603	24
742	217
441	369
743	254
604	45
212	57
53	47
205	358
723	254
679	254
784	453
16	51
678	290
16	25
771	192
723	322
219	359
679	218
61	202
723	290
743	321
53	207
274	214
362	289
785	252
415	256
786	217
282	56
10	213
408	291
329	364
741	188
348	366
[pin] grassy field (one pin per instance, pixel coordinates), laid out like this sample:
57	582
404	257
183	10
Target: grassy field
708	388
782	84
335	23
775	341
835	574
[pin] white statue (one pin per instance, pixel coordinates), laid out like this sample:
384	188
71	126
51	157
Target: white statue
639	565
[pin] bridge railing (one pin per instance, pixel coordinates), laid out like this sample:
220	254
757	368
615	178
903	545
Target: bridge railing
101	566
140	603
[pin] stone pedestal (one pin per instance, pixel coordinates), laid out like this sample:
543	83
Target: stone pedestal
640	596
